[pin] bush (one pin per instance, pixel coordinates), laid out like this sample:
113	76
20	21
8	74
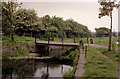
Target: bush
18	52
69	74
74	55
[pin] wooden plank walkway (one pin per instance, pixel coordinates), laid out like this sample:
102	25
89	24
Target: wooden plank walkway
80	67
56	43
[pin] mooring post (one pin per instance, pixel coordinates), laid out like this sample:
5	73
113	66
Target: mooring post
85	51
48	43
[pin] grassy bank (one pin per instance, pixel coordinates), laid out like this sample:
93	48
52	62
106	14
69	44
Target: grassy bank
20	52
74	55
99	66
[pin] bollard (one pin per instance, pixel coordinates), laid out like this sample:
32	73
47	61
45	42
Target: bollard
85	51
83	47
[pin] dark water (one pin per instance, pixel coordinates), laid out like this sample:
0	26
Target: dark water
24	68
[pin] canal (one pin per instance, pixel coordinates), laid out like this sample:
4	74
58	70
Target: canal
24	68
35	68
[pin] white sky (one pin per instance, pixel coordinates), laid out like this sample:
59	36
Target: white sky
82	11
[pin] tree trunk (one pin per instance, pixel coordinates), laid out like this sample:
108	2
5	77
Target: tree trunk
110	34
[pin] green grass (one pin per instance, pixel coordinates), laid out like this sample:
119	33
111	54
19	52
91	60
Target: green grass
101	40
113	55
98	66
20	52
19	40
105	41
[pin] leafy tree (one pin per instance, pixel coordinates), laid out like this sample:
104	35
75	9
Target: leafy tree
28	21
106	10
114	34
75	29
102	32
59	24
8	16
119	34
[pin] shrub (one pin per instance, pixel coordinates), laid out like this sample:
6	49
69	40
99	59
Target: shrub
18	52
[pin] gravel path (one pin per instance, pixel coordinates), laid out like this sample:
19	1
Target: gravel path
100	46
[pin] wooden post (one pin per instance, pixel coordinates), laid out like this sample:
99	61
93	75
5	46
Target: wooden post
81	43
85	51
48	68
35	43
48	43
87	39
35	38
62	68
39	36
83	47
74	40
31	34
62	40
48	39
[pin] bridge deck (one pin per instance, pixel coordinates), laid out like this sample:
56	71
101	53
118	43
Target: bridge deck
56	43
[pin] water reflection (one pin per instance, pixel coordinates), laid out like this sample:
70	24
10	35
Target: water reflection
32	68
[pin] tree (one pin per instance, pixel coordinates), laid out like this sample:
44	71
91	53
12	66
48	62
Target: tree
8	16
102	32
106	10
28	21
75	29
114	34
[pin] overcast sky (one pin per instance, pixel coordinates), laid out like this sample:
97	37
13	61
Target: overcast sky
82	11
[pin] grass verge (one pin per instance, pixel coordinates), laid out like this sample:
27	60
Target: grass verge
113	55
99	66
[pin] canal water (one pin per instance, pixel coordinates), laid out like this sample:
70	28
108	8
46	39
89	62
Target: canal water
32	68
